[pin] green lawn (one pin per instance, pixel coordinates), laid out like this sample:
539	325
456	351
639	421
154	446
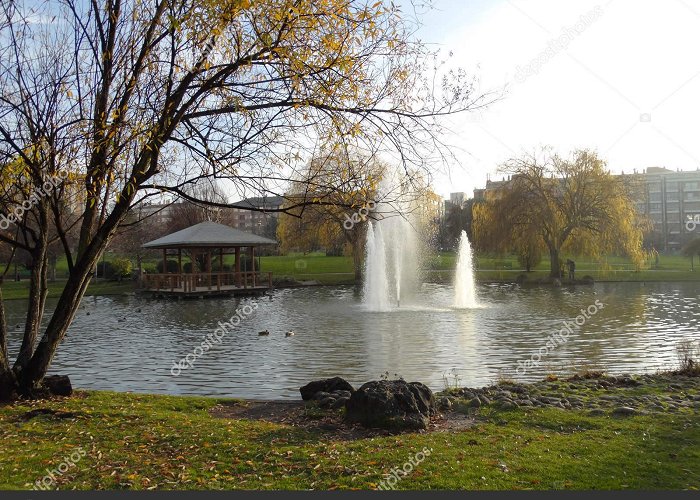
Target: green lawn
163	442
339	270
20	289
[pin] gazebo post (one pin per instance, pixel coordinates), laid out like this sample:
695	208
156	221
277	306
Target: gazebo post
208	263
192	276
252	254
179	267
221	269
238	266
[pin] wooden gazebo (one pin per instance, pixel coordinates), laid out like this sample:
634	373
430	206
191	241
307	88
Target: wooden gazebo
203	242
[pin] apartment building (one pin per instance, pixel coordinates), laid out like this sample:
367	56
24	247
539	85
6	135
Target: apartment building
256	217
670	198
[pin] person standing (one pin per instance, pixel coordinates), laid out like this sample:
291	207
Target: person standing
572	268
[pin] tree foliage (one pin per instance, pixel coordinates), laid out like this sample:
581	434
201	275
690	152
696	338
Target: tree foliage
691	249
342	222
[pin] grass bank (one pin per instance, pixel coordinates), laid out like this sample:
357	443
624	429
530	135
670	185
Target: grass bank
337	270
331	270
13	290
135	441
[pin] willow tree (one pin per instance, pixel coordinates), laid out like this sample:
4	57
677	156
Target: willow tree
133	98
563	204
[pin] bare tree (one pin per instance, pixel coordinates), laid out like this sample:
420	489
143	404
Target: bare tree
125	99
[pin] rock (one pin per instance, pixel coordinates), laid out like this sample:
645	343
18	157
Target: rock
474	403
596	412
58	385
342	394
445	403
340	403
391	404
321	395
328	385
327	402
624	411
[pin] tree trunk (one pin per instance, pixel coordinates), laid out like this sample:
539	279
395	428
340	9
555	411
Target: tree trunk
37	296
69	302
8	381
356	239
357	262
554	263
61	319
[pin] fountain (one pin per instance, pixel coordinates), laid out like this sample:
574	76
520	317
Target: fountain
376	287
391	265
465	289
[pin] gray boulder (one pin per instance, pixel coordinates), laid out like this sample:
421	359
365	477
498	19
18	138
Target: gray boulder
391	404
327	385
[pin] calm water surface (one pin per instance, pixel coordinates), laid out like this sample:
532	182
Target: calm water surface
117	348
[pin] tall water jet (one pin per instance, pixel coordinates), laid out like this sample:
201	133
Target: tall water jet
465	288
376	286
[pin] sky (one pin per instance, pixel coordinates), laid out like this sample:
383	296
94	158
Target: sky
621	77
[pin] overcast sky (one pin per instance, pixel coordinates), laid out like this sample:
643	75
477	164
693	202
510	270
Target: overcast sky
618	76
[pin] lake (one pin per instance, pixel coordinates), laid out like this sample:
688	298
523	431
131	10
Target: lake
130	343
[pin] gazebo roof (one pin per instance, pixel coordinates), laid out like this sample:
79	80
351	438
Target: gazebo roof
209	234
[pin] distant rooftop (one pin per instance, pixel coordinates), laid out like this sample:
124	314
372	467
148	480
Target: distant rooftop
209	234
264	202
659	170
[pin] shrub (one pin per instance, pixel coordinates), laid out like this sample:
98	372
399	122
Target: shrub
171	264
688	353
121	268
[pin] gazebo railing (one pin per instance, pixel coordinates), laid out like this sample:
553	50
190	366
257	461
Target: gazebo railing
212	281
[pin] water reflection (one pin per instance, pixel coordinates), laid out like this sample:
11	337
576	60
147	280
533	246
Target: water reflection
130	343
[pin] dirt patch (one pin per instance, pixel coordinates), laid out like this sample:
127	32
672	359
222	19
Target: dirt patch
328	423
47	412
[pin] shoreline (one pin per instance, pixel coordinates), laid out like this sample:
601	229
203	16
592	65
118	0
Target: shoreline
578	379
111	289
